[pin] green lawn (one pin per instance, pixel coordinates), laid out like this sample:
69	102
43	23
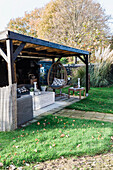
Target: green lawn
53	137
99	100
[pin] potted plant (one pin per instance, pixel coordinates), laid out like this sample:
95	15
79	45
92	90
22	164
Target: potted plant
31	91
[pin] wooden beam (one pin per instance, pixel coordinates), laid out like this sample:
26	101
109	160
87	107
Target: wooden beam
18	50
82	59
3	35
3	55
53	60
59	59
28	39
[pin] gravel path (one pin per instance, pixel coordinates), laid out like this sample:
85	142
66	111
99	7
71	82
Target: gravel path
98	162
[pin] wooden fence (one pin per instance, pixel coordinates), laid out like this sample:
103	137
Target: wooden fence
8	108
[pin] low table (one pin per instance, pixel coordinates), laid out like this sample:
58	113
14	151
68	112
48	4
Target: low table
76	89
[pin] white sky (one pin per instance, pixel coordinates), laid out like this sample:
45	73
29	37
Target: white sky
16	8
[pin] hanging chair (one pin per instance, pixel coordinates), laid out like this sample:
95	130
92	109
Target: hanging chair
57	76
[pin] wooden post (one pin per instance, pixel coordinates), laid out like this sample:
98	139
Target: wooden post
75	59
53	60
11	76
86	60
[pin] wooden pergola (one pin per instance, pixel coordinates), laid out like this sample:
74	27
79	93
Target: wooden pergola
13	45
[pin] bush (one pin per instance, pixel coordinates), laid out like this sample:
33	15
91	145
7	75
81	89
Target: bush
64	60
79	72
100	73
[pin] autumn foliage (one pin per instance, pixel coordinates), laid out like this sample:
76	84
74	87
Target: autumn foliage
81	24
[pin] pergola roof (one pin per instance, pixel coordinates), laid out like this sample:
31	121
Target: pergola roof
37	48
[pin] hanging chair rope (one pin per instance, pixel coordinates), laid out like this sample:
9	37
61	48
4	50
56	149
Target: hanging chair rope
57	76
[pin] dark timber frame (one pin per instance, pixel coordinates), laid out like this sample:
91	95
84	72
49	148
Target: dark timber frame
13	45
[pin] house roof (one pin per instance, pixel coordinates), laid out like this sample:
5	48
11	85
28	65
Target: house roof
37	48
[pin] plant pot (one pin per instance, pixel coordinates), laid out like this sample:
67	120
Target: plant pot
31	93
43	88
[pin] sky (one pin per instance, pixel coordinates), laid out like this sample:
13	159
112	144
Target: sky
16	8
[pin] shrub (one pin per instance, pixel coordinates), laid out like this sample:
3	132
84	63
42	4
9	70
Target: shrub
100	73
79	72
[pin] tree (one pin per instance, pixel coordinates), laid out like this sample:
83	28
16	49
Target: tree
26	25
80	24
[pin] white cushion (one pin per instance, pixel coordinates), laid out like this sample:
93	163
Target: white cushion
57	82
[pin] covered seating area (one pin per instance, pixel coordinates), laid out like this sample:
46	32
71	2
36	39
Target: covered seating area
19	55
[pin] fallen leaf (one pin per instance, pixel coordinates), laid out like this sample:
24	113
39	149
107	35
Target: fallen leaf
54	144
27	164
38	123
35	150
67	135
16	146
36	139
12	167
111	137
78	145
62	135
1	164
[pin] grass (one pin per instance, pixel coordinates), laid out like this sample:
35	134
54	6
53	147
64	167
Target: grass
99	100
53	137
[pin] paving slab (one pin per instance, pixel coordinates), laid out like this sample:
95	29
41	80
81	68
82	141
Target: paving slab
88	115
58	105
105	120
99	115
108	117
